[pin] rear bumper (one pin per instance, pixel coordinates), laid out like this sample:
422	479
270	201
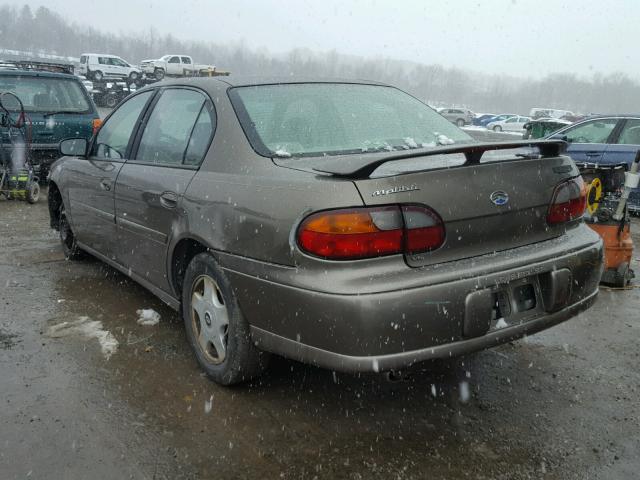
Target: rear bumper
400	324
397	361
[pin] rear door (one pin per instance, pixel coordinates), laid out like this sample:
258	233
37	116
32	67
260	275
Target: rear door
588	140
169	148
91	181
174	67
625	143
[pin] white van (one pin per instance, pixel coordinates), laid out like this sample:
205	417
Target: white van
100	66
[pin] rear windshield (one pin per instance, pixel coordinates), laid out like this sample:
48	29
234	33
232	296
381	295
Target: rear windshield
314	119
45	94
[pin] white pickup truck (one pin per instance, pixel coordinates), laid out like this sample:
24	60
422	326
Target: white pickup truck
175	66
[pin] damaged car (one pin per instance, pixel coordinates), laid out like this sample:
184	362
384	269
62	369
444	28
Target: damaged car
341	224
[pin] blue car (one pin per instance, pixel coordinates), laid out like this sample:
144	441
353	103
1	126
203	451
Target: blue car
496	118
604	140
480	117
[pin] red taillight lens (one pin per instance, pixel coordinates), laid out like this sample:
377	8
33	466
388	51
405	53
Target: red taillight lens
568	201
356	233
424	227
353	233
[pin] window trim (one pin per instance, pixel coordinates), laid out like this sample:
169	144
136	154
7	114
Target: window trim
145	120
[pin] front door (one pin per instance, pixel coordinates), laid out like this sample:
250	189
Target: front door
151	185
588	140
92	180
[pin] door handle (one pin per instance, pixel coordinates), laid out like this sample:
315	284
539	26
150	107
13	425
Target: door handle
169	200
105	185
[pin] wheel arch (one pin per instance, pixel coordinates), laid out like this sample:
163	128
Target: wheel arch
180	256
54	200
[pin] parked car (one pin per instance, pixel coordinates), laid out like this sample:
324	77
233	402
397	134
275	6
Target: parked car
459	116
101	66
511	124
174	65
497	118
479	117
315	221
605	140
57	106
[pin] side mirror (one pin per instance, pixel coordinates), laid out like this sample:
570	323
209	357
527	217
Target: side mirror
74	147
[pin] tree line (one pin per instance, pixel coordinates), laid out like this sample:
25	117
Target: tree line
44	30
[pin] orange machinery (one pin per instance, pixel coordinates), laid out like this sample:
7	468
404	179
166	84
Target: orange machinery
608	190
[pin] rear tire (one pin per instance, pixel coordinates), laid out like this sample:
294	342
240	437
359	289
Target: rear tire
68	239
33	192
497	128
216	329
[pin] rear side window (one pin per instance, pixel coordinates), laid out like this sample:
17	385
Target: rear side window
166	137
113	138
200	136
630	134
186	60
103	61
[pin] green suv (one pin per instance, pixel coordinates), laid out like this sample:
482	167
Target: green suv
57	106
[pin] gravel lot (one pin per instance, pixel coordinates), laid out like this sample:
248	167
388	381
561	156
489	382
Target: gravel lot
562	404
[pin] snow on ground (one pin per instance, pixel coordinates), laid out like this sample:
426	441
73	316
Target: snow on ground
85	327
148	317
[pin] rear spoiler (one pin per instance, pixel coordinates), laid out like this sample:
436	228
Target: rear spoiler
362	166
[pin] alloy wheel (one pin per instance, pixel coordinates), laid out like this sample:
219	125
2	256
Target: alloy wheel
210	318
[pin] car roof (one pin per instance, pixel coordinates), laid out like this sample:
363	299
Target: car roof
614	115
6	72
246	81
99	55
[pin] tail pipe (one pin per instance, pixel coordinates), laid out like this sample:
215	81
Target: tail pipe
631	181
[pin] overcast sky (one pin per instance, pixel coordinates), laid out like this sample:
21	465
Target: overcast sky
520	37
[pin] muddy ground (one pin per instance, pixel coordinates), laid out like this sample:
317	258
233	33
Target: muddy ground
563	404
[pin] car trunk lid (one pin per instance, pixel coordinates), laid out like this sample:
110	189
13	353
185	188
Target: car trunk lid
491	198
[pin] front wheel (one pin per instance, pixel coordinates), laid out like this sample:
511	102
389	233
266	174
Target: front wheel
497	128
68	239
460	122
97	76
159	73
133	76
216	329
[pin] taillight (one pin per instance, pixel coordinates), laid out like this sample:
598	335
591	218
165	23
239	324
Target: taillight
424	229
96	125
568	201
349	234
